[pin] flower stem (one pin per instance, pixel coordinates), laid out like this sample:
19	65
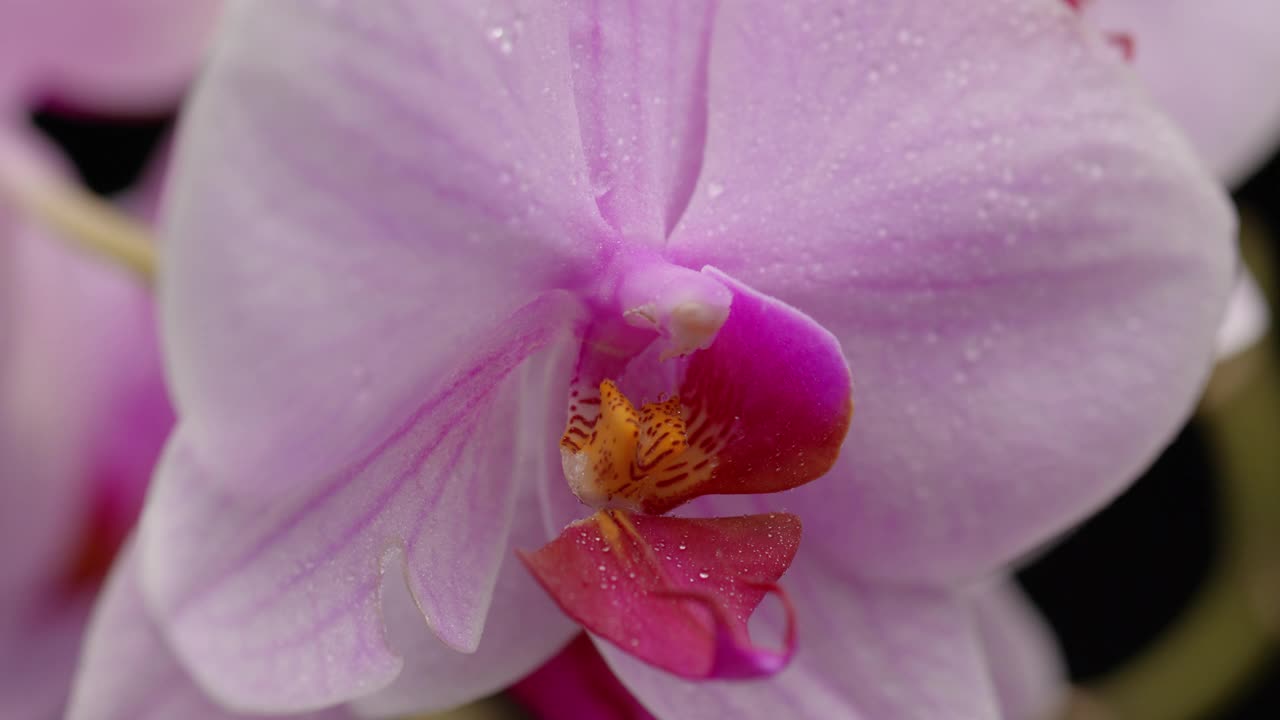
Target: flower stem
77	216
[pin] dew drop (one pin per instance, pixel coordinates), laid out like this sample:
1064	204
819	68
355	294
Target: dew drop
503	38
714	190
704	575
602	182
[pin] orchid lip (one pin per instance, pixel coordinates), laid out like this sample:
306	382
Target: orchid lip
763	408
675	592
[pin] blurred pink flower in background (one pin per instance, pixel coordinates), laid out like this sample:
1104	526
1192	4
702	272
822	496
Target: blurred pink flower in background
392	225
83	409
1213	66
120	56
83	419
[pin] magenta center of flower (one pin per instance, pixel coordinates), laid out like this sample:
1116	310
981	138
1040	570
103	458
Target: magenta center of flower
697	386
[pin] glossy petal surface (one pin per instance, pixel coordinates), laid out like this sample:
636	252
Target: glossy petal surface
523	630
110	54
1213	67
275	606
1020	259
382	186
865	653
128	673
639	80
674	592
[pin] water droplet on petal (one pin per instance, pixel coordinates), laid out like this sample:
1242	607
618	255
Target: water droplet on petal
504	36
602	182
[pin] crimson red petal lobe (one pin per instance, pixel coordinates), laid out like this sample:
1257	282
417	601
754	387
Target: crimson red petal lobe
674	592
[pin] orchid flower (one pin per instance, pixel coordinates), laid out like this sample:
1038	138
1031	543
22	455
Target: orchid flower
450	281
1213	68
83	410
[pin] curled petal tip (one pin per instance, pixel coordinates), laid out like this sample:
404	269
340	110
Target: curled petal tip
736	656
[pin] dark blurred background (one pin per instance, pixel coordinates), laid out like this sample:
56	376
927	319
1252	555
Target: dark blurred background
1109	588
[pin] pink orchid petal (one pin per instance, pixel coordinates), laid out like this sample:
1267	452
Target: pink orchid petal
577	683
381	185
864	653
131	414
112	54
1248	318
128	673
66	498
639	83
1028	263
38	647
45	418
45	397
1022	654
78	372
274	603
1213	67
674	592
523	629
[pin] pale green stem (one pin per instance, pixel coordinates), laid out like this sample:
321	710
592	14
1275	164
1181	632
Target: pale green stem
81	218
